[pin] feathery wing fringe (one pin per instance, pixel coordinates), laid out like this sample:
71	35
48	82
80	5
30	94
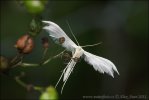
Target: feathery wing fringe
68	71
100	64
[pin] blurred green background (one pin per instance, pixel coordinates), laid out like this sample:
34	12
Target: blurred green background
121	26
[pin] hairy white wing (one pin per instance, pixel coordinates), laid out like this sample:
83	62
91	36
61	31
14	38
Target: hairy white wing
100	64
69	69
55	32
67	72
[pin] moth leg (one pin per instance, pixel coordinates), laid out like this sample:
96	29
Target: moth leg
62	74
67	77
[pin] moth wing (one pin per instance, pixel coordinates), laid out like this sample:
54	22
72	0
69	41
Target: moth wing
55	32
100	64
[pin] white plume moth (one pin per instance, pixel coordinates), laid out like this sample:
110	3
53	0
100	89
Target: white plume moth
100	64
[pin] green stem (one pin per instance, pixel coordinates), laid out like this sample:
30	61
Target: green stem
48	60
45	62
20	82
16	60
29	65
44	55
37	88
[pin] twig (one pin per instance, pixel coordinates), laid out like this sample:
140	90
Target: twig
44	53
45	62
17	78
37	88
29	65
16	60
28	86
53	57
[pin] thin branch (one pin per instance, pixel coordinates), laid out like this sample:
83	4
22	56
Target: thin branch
44	53
28	86
16	59
17	78
37	88
45	62
29	65
53	57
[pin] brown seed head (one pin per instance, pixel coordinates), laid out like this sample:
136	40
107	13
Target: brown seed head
25	44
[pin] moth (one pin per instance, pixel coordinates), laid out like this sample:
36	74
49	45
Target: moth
100	64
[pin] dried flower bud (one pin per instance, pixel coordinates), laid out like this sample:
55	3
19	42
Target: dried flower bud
45	42
61	40
25	44
4	63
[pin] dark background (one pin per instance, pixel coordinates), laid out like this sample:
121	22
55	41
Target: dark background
121	26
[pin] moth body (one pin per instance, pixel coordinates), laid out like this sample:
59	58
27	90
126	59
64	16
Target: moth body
78	52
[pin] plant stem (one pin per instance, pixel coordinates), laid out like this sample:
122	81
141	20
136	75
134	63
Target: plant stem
29	65
48	60
37	88
45	62
16	60
44	55
20	82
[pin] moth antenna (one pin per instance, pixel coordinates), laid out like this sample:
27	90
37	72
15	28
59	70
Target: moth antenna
92	45
72	32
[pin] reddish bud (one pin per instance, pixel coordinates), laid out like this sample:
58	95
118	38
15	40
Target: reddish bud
25	44
45	42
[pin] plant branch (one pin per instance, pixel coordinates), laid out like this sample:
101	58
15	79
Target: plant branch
45	62
48	60
28	86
